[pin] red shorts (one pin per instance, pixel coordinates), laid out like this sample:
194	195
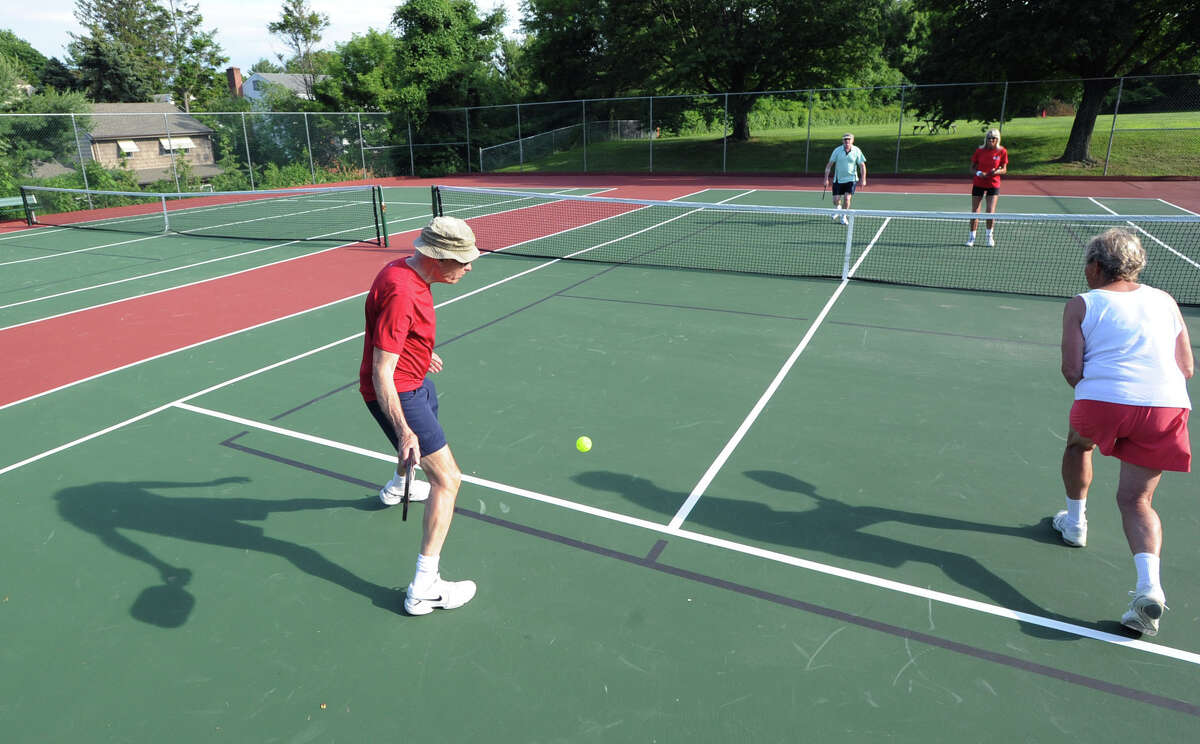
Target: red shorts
1155	438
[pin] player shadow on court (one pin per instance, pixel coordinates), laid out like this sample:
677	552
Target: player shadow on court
111	509
840	530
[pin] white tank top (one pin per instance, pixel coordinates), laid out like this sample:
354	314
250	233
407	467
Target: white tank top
1129	349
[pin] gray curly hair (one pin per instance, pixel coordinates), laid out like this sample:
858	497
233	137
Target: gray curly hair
1119	254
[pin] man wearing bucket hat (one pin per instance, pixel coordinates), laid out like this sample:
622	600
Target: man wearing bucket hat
397	355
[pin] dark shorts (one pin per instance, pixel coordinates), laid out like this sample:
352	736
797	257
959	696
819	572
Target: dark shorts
420	408
1155	438
985	190
846	187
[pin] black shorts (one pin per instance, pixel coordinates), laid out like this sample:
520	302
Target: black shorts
985	190
845	187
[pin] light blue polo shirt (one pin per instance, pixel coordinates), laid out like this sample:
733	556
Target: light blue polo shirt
845	164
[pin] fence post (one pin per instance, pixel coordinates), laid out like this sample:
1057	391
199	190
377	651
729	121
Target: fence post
308	141
1113	132
174	170
467	119
249	161
1003	106
520	142
362	148
583	123
651	134
808	137
900	131
725	137
412	161
82	164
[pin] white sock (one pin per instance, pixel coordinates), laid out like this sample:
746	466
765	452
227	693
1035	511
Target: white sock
396	484
1147	573
427	570
1076	511
989	233
971	235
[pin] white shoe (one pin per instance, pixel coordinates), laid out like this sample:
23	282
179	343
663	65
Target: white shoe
991	242
833	217
845	221
393	492
1144	612
1072	534
970	242
442	594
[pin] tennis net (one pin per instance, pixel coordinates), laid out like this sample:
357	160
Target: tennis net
336	213
1035	254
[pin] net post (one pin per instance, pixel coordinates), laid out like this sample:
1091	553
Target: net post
30	216
436	196
381	228
849	246
166	219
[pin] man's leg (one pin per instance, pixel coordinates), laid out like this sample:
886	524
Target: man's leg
1143	531
428	590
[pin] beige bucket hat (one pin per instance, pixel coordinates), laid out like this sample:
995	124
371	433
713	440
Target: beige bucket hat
447	237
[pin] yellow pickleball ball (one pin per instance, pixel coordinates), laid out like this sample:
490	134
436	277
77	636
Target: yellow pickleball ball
583	444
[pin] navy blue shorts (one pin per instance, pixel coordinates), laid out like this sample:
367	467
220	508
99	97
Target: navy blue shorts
420	408
846	187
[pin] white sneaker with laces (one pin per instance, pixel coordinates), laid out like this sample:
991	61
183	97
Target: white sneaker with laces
441	594
833	217
393	492
991	241
1144	612
845	221
970	242
1074	535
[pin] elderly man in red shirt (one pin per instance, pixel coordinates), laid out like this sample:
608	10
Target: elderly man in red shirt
397	355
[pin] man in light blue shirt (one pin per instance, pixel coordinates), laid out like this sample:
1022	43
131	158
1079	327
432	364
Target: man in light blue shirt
849	167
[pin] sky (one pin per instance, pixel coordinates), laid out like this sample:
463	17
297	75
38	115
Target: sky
241	25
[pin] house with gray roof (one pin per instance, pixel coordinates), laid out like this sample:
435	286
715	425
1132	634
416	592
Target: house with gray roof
143	138
256	86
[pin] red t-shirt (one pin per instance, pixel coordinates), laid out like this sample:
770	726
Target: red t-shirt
985	160
400	319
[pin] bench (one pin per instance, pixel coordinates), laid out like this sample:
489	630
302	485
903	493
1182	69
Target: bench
934	129
15	204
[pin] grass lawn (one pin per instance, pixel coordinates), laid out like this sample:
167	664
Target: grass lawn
1143	145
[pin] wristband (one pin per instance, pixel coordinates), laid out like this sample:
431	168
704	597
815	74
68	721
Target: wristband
979	173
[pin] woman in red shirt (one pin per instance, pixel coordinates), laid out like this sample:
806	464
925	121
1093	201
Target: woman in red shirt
988	163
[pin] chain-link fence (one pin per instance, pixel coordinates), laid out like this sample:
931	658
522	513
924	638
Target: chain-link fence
1133	126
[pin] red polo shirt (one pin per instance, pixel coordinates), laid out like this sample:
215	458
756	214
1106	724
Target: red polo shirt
985	160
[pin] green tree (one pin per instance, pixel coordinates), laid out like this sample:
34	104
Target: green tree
28	61
108	72
707	46
265	65
130	36
57	76
1098	41
362	74
27	141
195	59
300	27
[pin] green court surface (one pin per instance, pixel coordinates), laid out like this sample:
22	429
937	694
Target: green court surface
813	509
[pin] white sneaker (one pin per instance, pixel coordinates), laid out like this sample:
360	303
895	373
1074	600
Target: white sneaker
441	594
1144	612
393	492
1074	535
970	242
991	242
845	221
833	217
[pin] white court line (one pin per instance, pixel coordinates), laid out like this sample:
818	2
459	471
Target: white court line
771	555
1176	206
698	490
1148	235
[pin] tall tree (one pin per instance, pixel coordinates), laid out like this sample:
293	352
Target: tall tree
445	55
1098	41
108	72
195	58
28	61
301	27
139	30
363	75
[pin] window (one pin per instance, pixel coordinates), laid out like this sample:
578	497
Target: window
176	144
126	149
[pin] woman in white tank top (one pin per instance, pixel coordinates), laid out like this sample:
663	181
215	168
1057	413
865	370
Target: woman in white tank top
1126	351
